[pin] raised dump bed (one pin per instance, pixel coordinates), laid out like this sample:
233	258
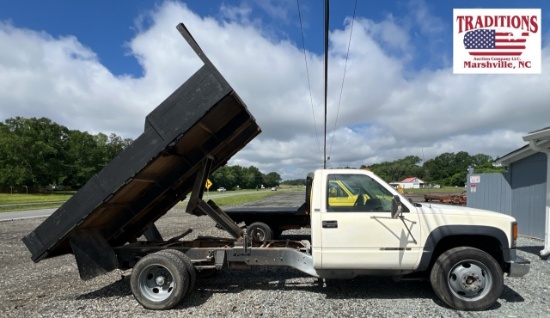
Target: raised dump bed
203	118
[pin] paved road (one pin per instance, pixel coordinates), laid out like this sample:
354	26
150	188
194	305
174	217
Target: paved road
19	215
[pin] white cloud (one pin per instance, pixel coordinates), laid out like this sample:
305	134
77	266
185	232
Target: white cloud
385	113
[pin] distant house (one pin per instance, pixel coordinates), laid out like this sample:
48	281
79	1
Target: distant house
410	183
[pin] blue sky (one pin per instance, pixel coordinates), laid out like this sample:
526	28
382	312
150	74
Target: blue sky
103	65
105	26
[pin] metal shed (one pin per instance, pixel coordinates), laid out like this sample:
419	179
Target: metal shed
523	191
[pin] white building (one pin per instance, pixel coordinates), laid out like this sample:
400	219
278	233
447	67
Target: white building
410	183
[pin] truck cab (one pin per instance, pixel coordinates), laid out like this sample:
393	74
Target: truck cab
355	229
463	251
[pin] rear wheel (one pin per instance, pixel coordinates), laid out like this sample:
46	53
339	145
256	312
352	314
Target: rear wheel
467	278
259	232
159	281
191	272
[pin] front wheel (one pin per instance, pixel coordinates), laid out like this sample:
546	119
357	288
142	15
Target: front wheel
467	278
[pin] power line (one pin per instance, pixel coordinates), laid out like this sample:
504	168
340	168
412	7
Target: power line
307	71
344	77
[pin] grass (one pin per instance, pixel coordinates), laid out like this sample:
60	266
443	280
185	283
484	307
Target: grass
22	202
18	198
239	199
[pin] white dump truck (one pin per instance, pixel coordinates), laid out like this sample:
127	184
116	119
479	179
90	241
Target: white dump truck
110	223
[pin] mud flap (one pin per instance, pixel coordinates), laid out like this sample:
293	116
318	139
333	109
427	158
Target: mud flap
94	256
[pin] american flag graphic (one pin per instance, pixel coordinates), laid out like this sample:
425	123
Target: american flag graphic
485	42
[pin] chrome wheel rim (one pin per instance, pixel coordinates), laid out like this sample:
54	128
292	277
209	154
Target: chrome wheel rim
156	283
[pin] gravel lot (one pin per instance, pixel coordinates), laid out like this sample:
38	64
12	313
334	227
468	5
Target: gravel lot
52	288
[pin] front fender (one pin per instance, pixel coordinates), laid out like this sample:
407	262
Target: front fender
466	231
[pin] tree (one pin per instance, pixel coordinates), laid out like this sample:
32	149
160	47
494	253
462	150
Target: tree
272	179
32	152
37	152
83	158
450	168
399	169
295	182
230	177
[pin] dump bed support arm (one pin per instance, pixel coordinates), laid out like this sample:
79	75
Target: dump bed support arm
197	206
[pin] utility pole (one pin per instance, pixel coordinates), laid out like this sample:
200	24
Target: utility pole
326	81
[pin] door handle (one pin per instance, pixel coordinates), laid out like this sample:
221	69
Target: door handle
330	224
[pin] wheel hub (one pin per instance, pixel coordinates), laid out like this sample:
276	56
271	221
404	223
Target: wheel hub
259	235
156	283
469	280
160	280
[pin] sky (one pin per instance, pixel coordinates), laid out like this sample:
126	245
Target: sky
102	66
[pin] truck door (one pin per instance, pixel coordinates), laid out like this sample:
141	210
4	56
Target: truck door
357	230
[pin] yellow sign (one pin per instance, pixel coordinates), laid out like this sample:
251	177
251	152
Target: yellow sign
208	184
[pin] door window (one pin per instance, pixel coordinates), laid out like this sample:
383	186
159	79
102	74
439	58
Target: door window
356	192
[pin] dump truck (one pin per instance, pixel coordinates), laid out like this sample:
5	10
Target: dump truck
109	223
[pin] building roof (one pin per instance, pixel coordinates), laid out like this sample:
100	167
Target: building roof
541	136
412	179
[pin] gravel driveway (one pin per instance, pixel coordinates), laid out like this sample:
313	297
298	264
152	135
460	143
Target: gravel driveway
52	288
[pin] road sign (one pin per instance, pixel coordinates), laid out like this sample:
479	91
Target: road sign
208	184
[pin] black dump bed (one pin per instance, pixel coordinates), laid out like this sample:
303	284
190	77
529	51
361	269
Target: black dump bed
203	117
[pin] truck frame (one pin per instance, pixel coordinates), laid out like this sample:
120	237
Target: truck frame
195	131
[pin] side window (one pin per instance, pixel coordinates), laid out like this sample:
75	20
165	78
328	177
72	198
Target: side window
356	192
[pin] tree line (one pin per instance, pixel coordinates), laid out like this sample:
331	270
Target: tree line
38	154
237	177
448	168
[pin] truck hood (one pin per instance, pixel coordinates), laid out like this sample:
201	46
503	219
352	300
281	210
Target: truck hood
431	208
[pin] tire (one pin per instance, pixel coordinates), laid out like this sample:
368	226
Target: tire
159	281
467	278
259	232
191	271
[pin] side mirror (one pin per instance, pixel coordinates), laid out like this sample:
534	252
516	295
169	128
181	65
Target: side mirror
396	207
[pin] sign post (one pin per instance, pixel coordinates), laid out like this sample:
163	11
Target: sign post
208	185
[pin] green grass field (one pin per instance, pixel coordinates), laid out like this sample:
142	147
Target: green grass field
22	202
